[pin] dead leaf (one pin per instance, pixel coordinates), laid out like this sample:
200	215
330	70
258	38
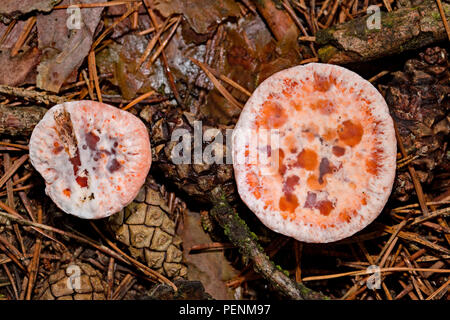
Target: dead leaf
12	9
121	60
64	50
211	268
20	69
202	15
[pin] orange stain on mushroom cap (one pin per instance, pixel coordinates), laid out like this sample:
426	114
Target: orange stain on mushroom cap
350	132
272	116
307	159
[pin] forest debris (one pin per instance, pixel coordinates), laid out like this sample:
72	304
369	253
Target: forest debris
279	21
418	99
91	285
33	95
187	290
11	9
210	267
403	29
121	60
19	121
64	50
203	16
20	69
239	234
147	228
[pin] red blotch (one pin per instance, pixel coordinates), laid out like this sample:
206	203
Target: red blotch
310	200
91	140
350	133
338	151
290	183
344	217
82	181
325	168
325	207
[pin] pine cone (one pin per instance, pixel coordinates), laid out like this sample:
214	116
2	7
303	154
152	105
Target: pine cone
145	226
73	281
419	101
196	179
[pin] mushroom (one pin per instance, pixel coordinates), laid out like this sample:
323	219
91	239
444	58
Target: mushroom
93	157
330	169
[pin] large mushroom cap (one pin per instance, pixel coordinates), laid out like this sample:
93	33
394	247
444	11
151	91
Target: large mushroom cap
94	157
314	153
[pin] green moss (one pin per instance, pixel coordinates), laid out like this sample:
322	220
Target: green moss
326	53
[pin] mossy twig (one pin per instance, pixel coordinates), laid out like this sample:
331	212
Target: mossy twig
240	235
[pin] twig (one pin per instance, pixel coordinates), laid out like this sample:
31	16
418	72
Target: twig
92	66
94	5
412	172
442	289
112	26
152	43
8	30
11	280
138	99
365	272
209	246
125	285
88	85
218	85
23	35
438	213
146	270
167	71
444	18
110	278
239	234
163	44
17	164
378	76
37	96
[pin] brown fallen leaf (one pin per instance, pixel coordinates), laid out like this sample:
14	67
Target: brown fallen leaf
211	267
64	50
11	9
203	15
20	69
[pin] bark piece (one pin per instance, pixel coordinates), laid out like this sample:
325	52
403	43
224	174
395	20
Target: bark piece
19	121
202	15
403	29
11	9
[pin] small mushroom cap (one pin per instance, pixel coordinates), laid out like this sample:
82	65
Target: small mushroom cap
314	153
93	157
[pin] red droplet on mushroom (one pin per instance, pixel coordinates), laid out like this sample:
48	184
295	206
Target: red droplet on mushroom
93	157
333	162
